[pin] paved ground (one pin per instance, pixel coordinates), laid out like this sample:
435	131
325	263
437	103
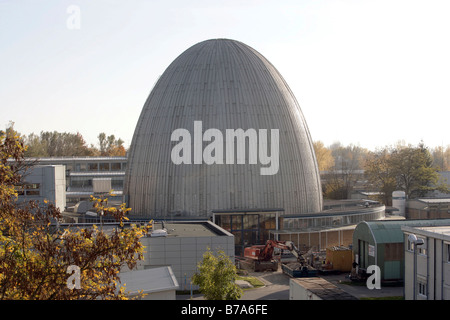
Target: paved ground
277	288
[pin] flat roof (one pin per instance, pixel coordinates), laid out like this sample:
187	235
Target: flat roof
191	229
148	280
434	200
438	232
323	289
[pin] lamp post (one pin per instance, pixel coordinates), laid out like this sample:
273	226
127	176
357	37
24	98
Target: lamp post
417	242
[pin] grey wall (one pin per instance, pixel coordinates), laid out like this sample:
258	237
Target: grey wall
183	253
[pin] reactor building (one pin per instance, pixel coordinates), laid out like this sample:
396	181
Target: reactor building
222	134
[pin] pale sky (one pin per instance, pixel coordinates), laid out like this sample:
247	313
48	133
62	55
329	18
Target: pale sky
364	72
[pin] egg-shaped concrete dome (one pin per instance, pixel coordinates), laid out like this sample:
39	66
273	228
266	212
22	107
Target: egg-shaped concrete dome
221	84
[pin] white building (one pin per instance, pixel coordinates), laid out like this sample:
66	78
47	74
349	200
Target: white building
44	183
427	266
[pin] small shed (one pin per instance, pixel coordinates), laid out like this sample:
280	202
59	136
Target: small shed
340	258
381	243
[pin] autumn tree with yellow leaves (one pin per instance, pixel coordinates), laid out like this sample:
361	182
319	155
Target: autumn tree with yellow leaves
37	254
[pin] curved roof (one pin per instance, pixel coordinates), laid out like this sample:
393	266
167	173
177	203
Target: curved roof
226	85
389	231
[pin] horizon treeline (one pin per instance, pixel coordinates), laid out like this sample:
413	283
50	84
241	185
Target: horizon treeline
411	168
67	144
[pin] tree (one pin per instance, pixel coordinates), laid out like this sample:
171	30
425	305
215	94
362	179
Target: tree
216	277
57	144
414	170
406	168
380	174
441	158
36	254
342	176
110	146
324	157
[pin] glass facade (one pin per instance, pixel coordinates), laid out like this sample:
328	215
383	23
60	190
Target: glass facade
248	228
331	221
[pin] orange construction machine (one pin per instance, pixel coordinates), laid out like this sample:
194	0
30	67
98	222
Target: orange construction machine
260	257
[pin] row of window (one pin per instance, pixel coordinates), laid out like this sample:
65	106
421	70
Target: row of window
96	166
85	182
31	189
422	249
333	221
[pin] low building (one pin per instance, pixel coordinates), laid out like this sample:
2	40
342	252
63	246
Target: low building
427	268
42	183
81	172
428	208
381	243
181	246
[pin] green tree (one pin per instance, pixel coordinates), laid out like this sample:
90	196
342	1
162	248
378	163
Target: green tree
35	253
216	277
406	168
380	174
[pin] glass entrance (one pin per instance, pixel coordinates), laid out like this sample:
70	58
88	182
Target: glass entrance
248	228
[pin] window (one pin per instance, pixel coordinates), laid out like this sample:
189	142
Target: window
115	166
20	190
32	189
104	166
422	288
410	246
422	249
92	167
447	246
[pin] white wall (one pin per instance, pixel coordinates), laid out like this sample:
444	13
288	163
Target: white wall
298	292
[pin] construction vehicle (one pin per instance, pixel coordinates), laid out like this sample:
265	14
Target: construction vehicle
260	257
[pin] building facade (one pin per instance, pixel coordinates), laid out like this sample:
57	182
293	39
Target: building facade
427	262
82	173
44	182
381	243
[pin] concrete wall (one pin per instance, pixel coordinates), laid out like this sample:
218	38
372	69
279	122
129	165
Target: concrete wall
183	253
